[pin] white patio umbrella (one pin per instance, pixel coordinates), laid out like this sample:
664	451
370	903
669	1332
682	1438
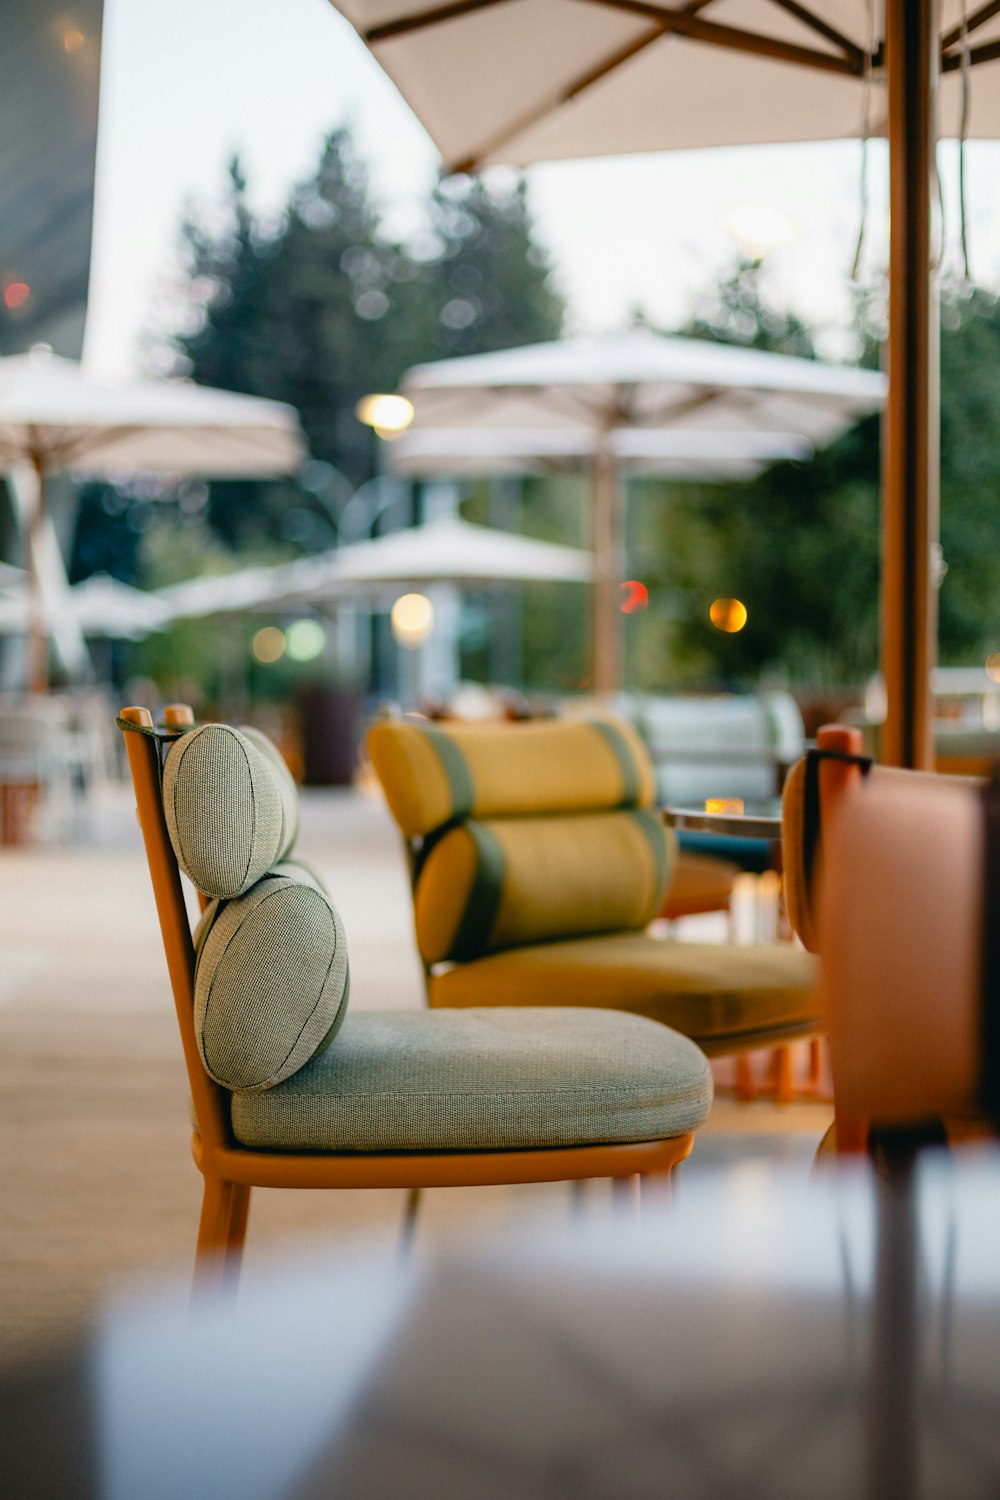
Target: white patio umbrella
441	557
614	76
451	451
99	606
444	551
648	392
57	418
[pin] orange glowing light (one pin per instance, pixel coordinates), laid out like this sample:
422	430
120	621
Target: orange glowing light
73	39
993	666
635	596
724	805
729	615
15	294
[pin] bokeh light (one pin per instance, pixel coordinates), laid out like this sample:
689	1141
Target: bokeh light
16	294
305	640
634	596
729	615
993	666
268	645
389	415
412	619
73	39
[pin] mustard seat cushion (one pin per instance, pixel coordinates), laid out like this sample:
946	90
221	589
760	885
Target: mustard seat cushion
483	1080
496	884
271	980
434	774
721	995
230	805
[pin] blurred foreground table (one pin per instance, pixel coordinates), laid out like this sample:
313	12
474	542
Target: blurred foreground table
761	1337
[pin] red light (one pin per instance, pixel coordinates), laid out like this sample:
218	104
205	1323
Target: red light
15	294
635	596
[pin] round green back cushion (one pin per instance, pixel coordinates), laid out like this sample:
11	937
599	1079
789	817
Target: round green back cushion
505	882
231	807
271	980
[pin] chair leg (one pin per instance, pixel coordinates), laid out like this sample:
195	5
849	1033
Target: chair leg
744	1088
221	1232
409	1223
626	1195
784	1075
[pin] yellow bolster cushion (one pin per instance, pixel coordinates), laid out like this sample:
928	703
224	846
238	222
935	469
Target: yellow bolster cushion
433	773
798	898
491	885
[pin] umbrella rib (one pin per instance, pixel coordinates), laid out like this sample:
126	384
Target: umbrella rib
988	52
404	24
850	49
978	18
716	35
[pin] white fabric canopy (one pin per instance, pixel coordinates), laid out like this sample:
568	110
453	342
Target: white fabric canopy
428	452
100	606
55	414
606	79
643	380
444	551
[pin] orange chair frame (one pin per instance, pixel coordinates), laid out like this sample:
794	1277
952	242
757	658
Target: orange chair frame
231	1170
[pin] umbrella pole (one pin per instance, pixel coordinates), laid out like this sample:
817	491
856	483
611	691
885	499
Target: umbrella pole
912	419
608	544
38	636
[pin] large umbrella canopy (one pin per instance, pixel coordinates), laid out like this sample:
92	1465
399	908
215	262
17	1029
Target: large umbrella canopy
443	551
636	75
719	404
57	418
616	76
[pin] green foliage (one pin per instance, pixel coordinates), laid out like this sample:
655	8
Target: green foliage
324	309
970	477
737	311
800	544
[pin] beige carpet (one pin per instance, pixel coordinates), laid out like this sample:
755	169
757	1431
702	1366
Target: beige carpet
98	1189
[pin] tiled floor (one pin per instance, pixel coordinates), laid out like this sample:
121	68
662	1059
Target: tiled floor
98	1188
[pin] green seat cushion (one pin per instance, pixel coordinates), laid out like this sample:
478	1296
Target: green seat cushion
483	1080
726	997
433	774
230	805
271	980
490	885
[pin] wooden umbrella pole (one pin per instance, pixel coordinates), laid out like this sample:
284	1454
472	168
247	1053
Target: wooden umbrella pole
912	419
607	531
38	636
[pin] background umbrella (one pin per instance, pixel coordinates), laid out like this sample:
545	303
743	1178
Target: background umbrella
99	606
442	557
432	452
637	75
56	418
641	387
443	551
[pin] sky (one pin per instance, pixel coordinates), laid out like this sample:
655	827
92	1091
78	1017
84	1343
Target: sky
186	83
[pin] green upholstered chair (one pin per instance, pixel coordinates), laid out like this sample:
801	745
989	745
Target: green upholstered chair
538	862
289	1090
